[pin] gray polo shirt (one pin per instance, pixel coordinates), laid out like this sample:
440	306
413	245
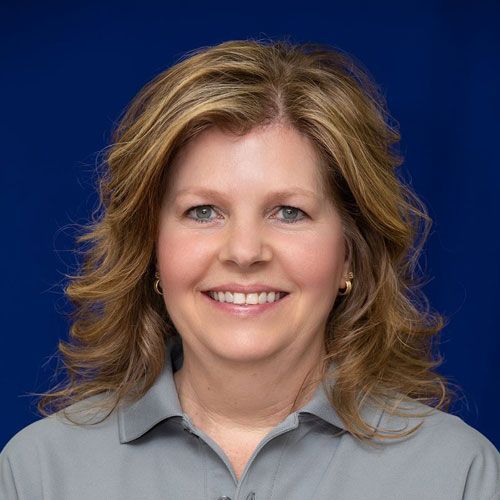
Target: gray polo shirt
151	450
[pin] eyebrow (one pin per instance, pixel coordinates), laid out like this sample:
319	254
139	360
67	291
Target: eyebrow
280	195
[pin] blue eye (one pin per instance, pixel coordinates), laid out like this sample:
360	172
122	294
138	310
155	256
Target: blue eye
202	214
201	211
291	211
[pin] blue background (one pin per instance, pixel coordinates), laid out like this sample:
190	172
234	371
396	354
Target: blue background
69	69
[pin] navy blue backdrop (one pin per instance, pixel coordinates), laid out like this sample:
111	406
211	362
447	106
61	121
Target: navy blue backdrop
69	69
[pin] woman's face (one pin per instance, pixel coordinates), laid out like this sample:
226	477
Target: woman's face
244	233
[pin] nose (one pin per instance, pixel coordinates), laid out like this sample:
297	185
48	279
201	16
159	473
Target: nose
244	243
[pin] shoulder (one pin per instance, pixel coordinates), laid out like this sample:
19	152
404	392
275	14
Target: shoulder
438	427
49	440
71	422
448	444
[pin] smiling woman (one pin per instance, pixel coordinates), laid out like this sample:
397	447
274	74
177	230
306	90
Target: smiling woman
252	279
247	250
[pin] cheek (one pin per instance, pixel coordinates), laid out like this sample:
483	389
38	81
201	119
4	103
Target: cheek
181	256
316	261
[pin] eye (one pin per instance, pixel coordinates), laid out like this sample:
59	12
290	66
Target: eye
291	211
201	211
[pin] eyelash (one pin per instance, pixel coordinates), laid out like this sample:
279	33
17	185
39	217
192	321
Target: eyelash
201	221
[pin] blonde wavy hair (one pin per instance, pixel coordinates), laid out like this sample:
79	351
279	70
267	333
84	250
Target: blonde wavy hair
380	337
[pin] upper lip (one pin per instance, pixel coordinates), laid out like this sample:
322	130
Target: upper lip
235	287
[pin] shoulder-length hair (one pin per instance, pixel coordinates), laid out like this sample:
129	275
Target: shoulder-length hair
379	337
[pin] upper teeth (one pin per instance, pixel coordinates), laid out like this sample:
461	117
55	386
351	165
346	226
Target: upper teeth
242	298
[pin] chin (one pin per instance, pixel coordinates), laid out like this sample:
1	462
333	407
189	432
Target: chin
244	346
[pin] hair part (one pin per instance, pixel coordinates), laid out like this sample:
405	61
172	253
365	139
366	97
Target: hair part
380	337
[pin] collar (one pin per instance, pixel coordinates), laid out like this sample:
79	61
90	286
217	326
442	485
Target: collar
161	402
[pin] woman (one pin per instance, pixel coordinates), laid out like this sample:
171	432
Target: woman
251	279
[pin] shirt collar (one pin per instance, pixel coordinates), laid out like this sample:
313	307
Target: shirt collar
161	402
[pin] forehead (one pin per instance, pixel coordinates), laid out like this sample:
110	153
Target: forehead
274	156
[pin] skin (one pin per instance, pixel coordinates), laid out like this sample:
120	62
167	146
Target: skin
241	375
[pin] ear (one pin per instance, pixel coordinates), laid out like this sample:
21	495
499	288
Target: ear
345	268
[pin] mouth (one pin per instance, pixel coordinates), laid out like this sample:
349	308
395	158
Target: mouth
241	299
245	309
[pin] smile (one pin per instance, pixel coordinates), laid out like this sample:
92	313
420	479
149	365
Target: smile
248	299
243	308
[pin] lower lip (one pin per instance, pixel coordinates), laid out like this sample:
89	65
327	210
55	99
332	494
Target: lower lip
245	310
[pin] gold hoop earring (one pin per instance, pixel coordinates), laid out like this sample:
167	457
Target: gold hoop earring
348	285
156	284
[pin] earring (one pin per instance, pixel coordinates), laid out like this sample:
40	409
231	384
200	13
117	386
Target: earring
348	285
156	284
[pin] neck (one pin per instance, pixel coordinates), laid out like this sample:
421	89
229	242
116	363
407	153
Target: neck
247	397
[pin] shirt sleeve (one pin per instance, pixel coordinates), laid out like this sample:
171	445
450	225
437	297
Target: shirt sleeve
20	468
483	477
8	490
